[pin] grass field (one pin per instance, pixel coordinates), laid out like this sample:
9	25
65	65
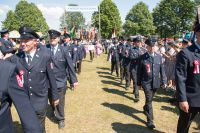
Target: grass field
100	104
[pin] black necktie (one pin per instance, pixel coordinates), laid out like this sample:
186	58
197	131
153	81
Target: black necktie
29	59
52	51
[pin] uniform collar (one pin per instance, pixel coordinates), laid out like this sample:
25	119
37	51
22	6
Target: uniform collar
151	54
31	54
55	47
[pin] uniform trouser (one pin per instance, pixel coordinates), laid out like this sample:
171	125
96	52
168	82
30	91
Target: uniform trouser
41	117
115	65
79	66
185	119
59	109
91	55
106	50
127	75
135	86
121	70
68	79
148	109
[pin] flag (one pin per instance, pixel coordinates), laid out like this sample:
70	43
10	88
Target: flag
72	33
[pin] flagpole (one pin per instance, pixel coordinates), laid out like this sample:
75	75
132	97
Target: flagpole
99	23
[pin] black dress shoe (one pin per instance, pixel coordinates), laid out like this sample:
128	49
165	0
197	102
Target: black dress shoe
126	87
150	125
145	112
61	124
136	100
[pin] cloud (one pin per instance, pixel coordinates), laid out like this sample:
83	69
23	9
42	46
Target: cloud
52	15
4	9
51	12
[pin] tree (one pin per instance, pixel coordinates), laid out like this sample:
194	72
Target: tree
197	2
11	22
139	21
72	20
173	16
30	15
109	17
27	15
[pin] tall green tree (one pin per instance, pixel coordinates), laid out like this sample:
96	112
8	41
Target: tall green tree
11	21
27	14
173	16
72	20
139	20
197	2
30	15
109	18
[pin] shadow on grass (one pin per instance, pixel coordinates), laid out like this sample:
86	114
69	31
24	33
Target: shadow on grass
176	111
17	127
107	77
50	114
159	98
125	110
103	68
112	83
118	92
170	109
164	92
101	72
87	61
131	128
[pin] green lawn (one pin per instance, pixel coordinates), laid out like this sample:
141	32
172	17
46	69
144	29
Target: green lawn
100	104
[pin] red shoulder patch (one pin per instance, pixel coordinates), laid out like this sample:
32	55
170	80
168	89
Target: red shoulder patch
19	81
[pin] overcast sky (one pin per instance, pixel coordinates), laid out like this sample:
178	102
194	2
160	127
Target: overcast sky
53	9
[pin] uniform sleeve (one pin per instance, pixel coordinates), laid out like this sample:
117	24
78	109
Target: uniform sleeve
131	54
139	71
181	75
4	50
84	51
52	79
109	53
70	67
162	73
75	55
21	101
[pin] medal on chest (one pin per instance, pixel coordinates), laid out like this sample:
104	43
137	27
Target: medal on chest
20	78
148	68
21	75
196	67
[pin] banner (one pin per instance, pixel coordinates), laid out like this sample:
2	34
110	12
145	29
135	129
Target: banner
81	8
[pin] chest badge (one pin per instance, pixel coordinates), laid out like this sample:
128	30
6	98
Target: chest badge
196	67
148	68
19	81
